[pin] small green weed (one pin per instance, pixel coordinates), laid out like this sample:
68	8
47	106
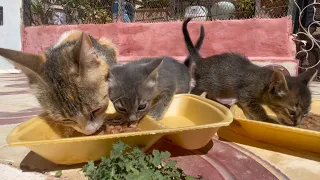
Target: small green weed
135	164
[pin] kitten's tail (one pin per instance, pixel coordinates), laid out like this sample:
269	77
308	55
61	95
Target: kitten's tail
193	51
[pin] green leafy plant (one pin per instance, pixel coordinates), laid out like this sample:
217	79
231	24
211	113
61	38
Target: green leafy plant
131	163
153	3
58	174
77	11
245	8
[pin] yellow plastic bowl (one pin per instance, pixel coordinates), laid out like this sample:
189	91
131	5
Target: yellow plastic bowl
279	135
190	122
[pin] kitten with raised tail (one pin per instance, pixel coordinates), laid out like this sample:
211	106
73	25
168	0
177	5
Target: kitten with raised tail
231	75
69	79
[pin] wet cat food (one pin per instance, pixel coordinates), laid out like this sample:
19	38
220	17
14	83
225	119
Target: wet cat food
115	129
311	122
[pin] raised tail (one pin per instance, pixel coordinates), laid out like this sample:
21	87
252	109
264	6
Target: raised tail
193	51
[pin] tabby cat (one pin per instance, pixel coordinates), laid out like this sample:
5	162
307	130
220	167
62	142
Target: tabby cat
69	79
230	75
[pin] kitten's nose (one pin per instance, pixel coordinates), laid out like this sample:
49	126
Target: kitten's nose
132	118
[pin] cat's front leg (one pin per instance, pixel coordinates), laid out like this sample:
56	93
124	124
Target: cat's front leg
254	111
282	115
197	90
210	96
164	100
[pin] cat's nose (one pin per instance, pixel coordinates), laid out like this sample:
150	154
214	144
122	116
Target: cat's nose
133	118
86	126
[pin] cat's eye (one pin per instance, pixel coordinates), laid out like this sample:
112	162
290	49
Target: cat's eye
94	113
142	107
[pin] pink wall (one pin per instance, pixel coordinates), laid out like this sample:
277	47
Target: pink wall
260	39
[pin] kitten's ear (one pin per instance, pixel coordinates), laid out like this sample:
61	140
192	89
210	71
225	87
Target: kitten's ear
32	62
152	68
278	84
111	80
85	53
307	76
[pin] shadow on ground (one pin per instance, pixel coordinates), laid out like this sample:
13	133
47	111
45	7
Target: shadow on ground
35	163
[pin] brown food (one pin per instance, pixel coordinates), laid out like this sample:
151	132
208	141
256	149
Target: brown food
310	122
114	129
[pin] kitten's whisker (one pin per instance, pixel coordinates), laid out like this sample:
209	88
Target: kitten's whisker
119	98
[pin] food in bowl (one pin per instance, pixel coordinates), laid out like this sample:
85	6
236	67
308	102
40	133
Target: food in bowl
115	129
310	122
112	125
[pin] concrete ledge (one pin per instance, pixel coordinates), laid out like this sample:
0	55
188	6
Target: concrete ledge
289	63
10	71
252	37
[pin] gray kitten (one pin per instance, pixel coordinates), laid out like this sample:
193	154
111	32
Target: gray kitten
231	75
146	86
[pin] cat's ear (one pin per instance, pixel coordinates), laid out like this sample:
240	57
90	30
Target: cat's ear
152	69
26	61
278	84
85	53
307	76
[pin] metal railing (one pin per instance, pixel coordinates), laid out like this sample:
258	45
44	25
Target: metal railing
307	37
48	12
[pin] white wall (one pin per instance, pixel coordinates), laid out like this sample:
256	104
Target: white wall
10	31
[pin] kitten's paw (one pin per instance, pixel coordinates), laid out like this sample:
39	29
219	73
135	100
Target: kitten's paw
155	116
273	121
286	122
269	120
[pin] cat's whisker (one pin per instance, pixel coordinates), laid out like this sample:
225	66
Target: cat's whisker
118	98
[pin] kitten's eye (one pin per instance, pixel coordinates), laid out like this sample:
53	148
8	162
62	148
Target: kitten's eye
121	109
142	107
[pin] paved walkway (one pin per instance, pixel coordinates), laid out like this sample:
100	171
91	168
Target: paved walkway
224	160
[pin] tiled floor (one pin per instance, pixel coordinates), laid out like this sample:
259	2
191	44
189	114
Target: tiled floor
224	160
